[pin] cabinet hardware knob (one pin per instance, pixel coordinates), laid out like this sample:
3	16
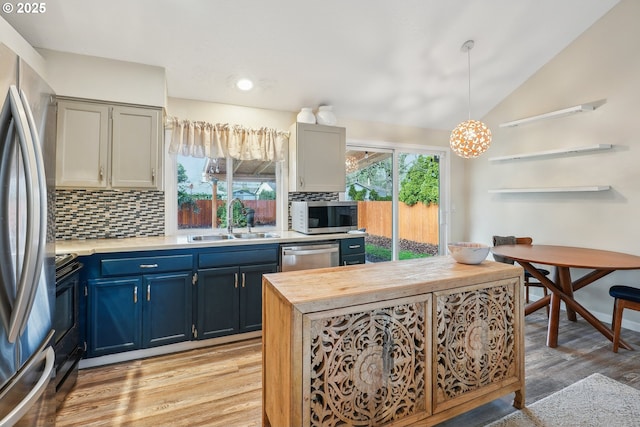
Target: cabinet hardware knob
236	280
135	294
148	292
153	174
243	280
101	173
354	246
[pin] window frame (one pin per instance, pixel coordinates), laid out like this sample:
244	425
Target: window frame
171	197
445	186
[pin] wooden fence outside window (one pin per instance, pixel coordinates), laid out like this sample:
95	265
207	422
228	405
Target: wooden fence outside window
418	223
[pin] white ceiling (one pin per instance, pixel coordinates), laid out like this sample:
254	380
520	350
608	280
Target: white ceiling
385	61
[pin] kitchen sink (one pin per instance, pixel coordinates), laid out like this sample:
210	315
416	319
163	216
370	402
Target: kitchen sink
210	237
255	235
217	237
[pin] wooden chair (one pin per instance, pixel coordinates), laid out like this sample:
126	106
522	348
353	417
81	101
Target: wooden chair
529	280
625	297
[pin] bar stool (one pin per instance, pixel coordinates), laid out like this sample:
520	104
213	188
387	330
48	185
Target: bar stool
625	297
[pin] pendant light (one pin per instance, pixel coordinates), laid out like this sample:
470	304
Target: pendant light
470	138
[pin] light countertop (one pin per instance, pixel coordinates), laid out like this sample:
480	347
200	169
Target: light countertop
92	246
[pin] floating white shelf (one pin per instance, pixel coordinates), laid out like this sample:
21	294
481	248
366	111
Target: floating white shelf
554	114
597	147
552	189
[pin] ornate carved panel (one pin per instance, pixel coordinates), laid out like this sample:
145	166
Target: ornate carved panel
368	368
475	342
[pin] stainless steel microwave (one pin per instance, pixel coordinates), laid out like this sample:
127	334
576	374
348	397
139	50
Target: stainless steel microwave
324	217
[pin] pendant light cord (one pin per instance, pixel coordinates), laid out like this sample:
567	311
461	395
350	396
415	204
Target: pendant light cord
469	65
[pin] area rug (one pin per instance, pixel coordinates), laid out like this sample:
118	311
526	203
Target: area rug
593	401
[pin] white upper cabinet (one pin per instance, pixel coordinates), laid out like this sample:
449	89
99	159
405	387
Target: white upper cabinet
135	147
316	158
108	146
82	145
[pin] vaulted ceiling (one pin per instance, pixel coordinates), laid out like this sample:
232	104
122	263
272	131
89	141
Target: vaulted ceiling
397	62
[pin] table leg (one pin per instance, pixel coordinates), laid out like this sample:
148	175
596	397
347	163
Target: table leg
590	318
559	294
563	277
537	305
554	321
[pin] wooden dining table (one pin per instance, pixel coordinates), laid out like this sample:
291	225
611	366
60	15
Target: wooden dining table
562	287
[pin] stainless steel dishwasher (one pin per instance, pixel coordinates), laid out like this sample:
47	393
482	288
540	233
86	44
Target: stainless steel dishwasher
308	256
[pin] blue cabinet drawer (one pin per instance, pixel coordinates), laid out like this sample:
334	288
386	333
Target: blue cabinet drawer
144	265
352	246
230	258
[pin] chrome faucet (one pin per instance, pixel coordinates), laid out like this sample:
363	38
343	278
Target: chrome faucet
230	213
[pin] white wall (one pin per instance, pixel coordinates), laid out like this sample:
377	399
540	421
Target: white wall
103	79
603	63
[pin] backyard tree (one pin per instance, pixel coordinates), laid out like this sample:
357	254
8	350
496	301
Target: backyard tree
185	198
421	182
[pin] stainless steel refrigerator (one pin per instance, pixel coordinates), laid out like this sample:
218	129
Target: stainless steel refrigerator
27	264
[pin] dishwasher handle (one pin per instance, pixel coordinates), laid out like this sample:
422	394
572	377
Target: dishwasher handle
296	252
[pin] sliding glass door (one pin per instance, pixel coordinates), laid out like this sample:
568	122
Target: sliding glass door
418	204
369	181
399	194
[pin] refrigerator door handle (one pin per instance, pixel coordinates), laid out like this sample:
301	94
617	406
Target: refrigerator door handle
27	282
39	172
7	275
34	394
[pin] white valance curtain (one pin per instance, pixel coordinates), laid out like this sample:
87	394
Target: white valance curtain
202	139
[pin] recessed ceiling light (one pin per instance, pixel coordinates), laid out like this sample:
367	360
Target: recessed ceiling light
244	84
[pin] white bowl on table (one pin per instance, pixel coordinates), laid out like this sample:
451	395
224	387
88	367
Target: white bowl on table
468	252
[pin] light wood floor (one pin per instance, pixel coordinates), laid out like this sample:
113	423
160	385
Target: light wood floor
221	386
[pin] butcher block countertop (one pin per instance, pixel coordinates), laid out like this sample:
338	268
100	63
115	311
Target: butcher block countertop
328	288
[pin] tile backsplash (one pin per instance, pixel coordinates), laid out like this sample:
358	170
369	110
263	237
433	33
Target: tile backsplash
109	214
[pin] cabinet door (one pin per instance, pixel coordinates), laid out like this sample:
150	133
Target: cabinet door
218	302
136	148
316	158
478	352
82	147
115	309
367	365
166	314
251	295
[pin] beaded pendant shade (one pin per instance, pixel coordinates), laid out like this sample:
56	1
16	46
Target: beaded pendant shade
470	138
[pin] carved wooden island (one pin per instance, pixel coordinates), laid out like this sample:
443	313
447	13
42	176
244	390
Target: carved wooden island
395	343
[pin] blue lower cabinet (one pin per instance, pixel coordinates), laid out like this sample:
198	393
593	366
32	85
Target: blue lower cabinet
138	300
114	315
230	299
218	303
352	251
131	313
166	310
251	295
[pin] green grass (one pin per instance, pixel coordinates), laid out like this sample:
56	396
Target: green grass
384	253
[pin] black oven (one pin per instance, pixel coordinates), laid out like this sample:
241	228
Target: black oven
66	324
